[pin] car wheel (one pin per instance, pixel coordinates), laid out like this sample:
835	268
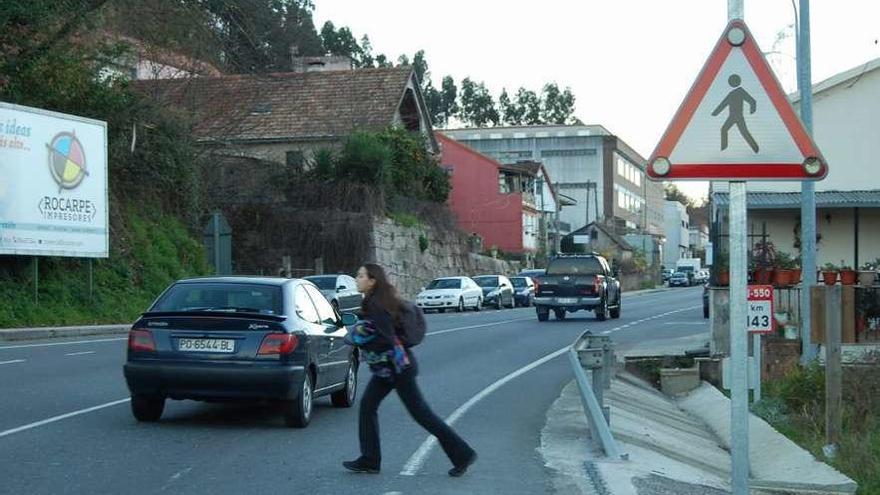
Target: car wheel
347	396
442	310
512	303
298	412
560	314
479	305
602	311
147	409
615	313
705	311
498	303
460	308
543	314
528	302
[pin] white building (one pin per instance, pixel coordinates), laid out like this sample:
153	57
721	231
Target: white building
698	236
676	226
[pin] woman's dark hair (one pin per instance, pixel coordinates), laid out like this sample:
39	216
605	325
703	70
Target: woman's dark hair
384	294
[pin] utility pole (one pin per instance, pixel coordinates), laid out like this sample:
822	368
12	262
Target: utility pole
808	188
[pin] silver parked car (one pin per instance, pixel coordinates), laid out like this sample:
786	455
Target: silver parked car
340	290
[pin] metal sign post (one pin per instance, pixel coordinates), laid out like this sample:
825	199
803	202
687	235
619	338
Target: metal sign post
739	345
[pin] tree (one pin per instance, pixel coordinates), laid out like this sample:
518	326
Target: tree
420	66
367	59
434	102
448	98
340	42
382	61
558	106
673	193
529	106
403	60
477	106
511	113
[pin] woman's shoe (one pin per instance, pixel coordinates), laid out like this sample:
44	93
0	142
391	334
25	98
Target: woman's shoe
460	470
360	466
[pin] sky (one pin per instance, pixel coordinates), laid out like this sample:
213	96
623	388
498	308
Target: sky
629	63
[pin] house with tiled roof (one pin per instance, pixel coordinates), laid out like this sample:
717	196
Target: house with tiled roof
285	117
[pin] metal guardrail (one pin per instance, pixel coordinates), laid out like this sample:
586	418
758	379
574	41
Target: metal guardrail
595	353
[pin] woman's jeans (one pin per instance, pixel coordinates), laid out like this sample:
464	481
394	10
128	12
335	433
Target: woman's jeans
458	451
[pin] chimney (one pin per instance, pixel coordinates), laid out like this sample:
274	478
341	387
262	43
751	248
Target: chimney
321	64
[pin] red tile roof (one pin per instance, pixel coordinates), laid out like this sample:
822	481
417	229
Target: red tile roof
285	106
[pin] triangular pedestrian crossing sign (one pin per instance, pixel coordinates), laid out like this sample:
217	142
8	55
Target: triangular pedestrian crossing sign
736	123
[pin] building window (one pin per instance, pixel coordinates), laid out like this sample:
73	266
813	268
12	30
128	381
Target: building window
562	153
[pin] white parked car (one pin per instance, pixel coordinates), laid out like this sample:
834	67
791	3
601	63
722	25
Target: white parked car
458	293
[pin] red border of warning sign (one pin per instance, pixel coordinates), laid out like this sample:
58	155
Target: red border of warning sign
737	171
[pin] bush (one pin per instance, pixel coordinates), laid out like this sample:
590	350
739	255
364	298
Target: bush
365	159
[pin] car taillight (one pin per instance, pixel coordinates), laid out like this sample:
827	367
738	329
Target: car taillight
141	341
537	283
597	285
278	343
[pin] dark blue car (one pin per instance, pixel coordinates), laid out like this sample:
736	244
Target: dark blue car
241	339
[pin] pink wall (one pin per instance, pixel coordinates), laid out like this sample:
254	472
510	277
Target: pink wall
475	199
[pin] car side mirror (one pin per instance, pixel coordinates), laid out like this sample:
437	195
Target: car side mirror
349	319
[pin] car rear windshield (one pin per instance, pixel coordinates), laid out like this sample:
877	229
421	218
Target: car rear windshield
575	266
519	282
487	281
323	283
445	283
232	297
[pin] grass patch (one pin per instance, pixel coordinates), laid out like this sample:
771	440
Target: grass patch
795	406
407	220
156	252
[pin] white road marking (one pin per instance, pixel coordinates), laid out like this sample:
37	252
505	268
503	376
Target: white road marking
438	332
63	416
79	353
415	463
13	361
22	346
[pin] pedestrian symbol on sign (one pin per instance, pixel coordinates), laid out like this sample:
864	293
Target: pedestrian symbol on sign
735	101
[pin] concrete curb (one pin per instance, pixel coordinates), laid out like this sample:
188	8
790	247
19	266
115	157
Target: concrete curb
13	334
777	462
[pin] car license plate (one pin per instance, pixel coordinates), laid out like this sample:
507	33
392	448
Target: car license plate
206	345
567	300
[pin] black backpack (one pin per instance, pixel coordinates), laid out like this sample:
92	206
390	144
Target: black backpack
412	325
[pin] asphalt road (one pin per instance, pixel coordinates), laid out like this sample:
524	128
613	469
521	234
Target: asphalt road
66	427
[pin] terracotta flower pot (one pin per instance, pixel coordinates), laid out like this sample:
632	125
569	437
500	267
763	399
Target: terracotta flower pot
795	277
782	278
724	278
830	278
867	278
763	276
848	277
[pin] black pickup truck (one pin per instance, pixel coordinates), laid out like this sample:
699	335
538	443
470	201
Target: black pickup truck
576	282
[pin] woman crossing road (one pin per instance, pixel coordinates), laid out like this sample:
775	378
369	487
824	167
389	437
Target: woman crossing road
379	337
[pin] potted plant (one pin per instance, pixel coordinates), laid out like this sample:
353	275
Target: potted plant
847	274
829	273
867	274
796	270
764	256
782	276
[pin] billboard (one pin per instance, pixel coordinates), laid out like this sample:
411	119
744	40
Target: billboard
53	184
